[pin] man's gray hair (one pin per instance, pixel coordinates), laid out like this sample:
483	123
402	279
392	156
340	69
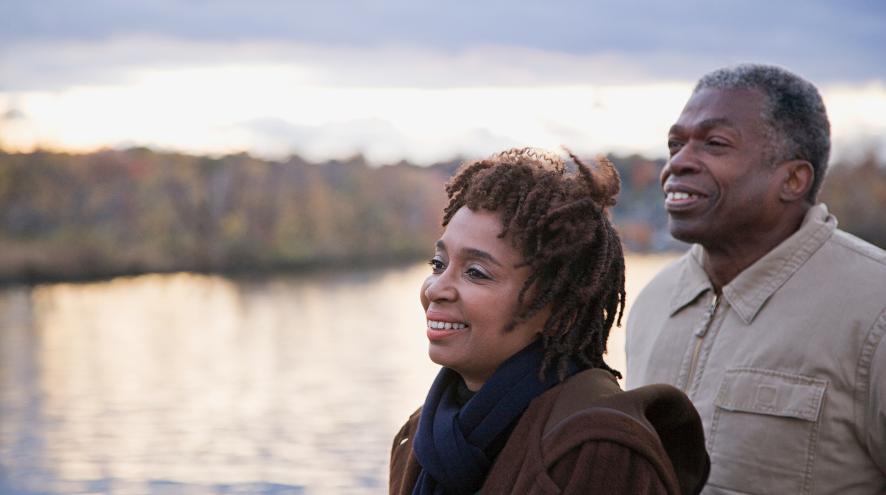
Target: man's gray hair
793	112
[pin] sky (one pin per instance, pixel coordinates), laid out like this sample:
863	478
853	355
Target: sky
417	80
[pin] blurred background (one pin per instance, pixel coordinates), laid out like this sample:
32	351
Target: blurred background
214	215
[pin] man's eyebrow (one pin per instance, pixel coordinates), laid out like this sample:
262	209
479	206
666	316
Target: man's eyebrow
718	122
706	125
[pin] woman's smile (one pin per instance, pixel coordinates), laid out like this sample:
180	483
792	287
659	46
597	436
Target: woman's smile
440	328
445	325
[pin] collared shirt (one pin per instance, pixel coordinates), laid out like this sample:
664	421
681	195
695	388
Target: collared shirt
787	367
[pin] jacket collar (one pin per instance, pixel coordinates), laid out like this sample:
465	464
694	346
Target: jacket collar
748	292
692	281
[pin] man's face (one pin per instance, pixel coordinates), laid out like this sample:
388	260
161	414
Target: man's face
719	184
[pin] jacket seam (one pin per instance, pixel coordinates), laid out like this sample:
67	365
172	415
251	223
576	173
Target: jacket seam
713	331
863	374
810	454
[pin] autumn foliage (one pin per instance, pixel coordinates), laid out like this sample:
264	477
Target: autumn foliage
74	216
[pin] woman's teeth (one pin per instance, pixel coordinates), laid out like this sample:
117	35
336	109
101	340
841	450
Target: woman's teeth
445	325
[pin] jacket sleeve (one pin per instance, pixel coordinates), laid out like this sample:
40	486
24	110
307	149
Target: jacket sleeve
605	467
875	412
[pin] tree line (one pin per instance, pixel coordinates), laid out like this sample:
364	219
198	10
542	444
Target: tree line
112	212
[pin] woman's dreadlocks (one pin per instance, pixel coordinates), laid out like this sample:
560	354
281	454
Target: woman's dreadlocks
558	221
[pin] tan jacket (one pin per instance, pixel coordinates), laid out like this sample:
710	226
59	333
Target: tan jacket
787	367
586	436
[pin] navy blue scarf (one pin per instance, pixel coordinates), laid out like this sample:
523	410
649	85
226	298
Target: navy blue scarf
456	445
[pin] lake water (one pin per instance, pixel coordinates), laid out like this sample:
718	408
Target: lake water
190	384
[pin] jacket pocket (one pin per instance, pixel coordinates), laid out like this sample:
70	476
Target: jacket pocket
764	430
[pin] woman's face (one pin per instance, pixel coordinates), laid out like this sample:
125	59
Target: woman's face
471	296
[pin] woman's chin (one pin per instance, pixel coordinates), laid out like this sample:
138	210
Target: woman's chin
439	356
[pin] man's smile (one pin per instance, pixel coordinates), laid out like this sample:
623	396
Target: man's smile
679	197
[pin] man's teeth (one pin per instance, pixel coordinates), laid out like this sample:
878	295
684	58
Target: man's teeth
677	196
445	325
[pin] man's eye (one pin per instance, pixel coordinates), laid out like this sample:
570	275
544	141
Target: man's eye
716	142
437	265
674	145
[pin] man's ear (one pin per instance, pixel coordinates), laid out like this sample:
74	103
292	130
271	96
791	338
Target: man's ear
797	180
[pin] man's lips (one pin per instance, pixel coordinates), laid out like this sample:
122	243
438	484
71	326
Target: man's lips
680	197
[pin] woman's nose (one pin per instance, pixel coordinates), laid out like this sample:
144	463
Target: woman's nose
440	288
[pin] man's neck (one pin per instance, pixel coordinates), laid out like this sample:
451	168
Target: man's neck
725	261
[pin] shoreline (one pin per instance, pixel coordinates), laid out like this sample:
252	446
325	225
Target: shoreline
31	277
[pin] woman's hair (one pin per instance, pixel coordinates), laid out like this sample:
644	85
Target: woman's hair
558	220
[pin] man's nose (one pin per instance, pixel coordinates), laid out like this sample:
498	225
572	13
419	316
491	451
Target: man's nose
681	163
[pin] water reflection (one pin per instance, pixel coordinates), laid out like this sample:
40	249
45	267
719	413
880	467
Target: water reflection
191	384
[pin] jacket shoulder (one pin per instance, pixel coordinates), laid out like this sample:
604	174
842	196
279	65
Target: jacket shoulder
656	423
662	284
868	255
615	455
846	265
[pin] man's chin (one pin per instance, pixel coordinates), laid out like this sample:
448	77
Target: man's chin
688	232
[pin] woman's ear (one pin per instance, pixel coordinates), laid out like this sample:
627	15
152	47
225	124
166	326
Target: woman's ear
797	180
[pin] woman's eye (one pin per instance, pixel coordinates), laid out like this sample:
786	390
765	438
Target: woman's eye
437	265
476	274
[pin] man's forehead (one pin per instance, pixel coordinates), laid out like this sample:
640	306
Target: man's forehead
710	107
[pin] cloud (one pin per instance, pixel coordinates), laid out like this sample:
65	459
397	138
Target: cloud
823	40
277	137
49	65
53	65
376	139
12	114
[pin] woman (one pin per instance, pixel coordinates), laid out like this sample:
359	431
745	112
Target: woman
527	280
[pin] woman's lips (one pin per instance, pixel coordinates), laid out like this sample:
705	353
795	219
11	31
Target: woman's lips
446	325
438	335
439	329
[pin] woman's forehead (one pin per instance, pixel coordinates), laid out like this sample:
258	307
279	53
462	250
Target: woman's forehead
477	230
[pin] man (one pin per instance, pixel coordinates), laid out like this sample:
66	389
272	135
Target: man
773	322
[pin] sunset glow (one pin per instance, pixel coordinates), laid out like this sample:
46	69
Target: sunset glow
388	102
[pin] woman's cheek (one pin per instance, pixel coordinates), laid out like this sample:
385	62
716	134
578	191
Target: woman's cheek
423	295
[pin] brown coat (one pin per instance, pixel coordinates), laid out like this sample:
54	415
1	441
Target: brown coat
587	436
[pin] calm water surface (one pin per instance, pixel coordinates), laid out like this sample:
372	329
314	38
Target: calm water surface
191	384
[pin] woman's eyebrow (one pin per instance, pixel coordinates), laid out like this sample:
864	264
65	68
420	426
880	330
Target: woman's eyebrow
469	252
479	253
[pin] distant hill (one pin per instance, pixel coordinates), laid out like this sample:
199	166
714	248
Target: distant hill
75	216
